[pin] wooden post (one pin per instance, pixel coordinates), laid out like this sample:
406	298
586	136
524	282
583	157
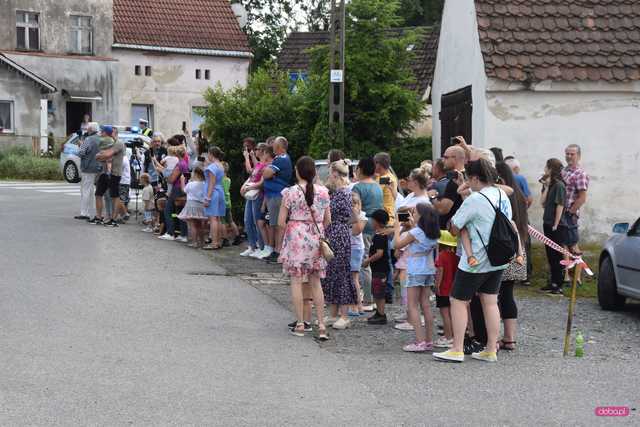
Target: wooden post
572	303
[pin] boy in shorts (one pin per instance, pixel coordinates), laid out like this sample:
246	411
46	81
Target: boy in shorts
378	260
446	266
149	203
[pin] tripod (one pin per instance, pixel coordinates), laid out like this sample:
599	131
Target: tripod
136	168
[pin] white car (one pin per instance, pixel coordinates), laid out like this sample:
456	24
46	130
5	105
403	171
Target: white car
70	161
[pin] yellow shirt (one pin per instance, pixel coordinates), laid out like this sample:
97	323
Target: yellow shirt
388	201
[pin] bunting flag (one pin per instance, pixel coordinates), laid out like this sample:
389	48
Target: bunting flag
573	259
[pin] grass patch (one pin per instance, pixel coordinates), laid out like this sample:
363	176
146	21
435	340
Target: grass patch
19	163
540	276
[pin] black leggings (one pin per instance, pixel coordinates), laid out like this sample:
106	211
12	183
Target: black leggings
554	257
506	302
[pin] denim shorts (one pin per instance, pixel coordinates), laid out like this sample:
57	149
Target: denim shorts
416	280
356	259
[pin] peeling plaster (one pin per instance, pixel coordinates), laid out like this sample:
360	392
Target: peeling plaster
167	75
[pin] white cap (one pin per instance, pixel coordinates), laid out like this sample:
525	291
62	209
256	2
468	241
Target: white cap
145	121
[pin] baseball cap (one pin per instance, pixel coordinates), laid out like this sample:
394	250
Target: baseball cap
108	129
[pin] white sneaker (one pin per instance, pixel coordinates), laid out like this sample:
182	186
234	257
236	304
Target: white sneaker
400	318
341	324
167	237
182	239
247	252
265	253
147	230
404	326
442	342
256	253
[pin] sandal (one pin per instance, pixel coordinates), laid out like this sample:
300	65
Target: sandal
507	345
322	333
210	247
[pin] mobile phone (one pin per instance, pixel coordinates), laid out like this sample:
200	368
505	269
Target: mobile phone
455	140
385	180
404	216
452	175
184	125
201	158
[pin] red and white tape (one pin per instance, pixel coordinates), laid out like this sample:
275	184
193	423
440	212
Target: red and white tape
573	259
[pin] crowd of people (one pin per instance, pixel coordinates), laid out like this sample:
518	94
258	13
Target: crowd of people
347	241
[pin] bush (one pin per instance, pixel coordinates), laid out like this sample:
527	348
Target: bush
18	163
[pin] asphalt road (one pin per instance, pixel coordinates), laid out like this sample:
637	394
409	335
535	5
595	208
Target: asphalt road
112	327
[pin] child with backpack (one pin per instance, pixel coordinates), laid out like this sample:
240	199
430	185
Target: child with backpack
421	241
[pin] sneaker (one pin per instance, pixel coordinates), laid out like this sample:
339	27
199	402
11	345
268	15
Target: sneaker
257	253
95	220
182	239
449	356
556	291
273	258
111	223
404	326
442	342
307	326
377	319
368	308
237	241
265	253
81	217
400	318
147	230
486	356
471	346
167	237
549	288
341	324
415	347
247	252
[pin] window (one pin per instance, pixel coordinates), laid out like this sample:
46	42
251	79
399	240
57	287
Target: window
81	34
137	70
147	70
198	73
207	74
27	30
141	111
6	117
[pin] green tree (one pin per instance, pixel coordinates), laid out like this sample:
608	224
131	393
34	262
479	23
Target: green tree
421	12
269	22
379	109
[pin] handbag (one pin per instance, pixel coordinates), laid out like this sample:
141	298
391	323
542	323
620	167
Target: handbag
325	247
250	194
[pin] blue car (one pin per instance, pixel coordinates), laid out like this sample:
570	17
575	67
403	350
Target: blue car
619	276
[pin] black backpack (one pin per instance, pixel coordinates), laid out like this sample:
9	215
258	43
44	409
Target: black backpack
503	240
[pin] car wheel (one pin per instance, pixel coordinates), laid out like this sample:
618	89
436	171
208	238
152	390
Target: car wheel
71	173
608	296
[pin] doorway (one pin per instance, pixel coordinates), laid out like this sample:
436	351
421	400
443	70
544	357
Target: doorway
456	116
75	114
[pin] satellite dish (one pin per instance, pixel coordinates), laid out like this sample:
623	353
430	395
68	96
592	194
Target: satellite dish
241	14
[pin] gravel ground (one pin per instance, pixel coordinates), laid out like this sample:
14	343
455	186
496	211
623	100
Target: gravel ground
541	328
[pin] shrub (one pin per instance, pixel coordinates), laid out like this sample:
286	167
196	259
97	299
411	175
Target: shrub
17	162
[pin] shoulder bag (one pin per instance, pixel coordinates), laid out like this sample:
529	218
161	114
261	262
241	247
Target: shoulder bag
325	247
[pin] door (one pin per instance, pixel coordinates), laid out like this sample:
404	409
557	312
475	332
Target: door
456	110
628	262
75	114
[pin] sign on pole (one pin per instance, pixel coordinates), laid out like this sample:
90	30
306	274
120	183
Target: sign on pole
337	76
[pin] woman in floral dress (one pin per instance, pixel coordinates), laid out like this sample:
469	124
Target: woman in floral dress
307	208
339	289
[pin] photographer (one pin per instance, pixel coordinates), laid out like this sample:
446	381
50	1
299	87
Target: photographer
152	158
448	203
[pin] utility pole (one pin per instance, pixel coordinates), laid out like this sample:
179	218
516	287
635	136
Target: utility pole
336	70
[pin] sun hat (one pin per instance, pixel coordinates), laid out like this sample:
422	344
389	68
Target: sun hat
447	239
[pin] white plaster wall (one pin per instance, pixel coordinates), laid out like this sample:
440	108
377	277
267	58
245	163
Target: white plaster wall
25	96
172	87
459	64
535	126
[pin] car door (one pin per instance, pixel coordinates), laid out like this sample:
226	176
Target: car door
628	262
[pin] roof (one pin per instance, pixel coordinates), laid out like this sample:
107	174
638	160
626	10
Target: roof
45	86
294	54
562	40
205	27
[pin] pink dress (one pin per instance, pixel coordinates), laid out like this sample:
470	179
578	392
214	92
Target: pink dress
300	254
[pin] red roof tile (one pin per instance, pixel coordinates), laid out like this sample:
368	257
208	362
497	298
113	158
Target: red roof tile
568	40
191	24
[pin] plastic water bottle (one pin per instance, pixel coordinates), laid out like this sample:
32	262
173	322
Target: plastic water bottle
579	345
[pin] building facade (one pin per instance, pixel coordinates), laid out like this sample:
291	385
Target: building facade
117	61
533	78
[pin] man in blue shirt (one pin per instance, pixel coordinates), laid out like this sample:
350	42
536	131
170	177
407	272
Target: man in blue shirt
514	164
277	177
